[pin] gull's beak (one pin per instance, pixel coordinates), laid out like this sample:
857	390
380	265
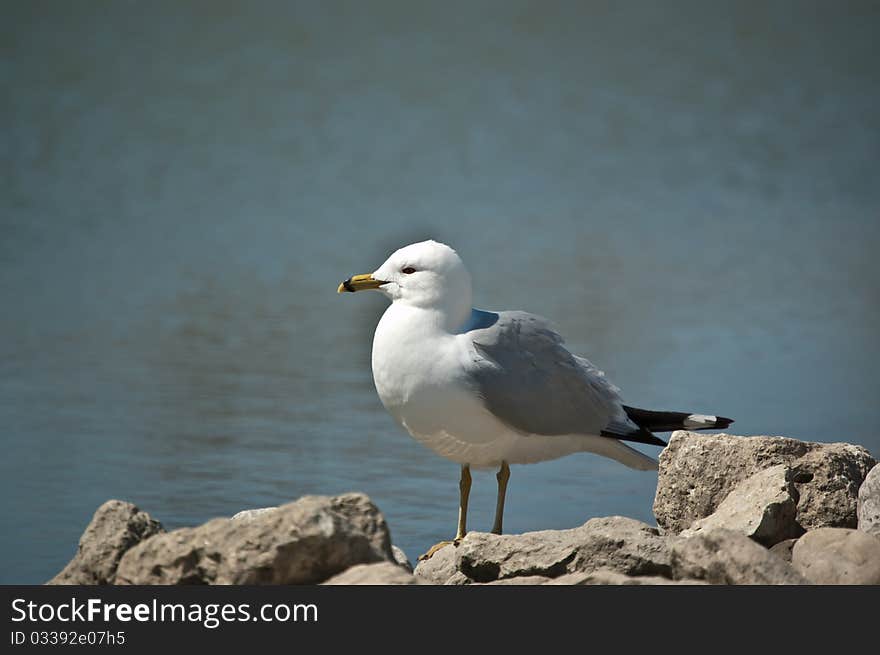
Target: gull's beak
359	283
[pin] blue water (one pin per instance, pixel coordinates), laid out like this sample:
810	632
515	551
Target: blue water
690	191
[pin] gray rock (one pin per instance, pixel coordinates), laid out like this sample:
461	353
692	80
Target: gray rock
380	573
458	578
869	503
248	515
524	580
838	556
783	549
116	527
832	475
698	471
303	542
609	577
401	558
726	557
439	568
763	507
618	543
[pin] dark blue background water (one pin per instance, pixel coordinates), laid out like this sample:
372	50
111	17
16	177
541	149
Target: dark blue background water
689	190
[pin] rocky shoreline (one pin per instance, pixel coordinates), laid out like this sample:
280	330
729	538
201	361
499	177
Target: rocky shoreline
729	510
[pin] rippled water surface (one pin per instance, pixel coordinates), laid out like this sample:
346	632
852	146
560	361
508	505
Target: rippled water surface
690	192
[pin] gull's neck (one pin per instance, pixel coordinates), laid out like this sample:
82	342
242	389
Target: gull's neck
433	319
435	311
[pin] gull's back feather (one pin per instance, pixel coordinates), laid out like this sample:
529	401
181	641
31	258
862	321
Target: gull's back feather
531	382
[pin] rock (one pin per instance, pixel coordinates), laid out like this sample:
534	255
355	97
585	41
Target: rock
439	568
615	542
303	542
610	577
522	580
869	503
458	578
250	514
762	507
726	557
838	556
401	558
698	471
380	573
832	475
116	527
618	543
724	497
783	549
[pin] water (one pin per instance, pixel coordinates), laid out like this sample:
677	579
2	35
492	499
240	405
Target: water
690	192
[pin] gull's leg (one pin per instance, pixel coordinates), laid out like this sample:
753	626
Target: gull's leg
464	491
503	476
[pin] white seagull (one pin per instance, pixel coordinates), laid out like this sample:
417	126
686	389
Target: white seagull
489	389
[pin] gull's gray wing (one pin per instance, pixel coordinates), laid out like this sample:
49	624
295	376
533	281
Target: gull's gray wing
527	378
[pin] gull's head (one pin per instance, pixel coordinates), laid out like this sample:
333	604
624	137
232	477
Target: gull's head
427	274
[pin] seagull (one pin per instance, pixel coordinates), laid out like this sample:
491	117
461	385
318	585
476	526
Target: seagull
487	389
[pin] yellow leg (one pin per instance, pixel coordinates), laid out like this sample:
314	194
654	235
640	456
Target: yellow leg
503	476
464	491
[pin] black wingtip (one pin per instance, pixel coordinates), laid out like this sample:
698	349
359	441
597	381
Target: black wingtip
654	440
668	421
636	436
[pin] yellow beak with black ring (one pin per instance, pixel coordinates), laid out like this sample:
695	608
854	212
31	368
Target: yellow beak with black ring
360	283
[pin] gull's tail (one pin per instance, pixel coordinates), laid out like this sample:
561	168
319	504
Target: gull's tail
668	421
639	426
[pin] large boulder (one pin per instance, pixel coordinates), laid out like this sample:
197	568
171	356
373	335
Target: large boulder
838	556
598	577
521	581
783	549
379	573
828	478
616	543
248	515
698	471
440	568
762	507
304	542
116	527
609	577
869	503
726	557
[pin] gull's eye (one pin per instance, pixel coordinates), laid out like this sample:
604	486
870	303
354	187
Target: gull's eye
408	270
